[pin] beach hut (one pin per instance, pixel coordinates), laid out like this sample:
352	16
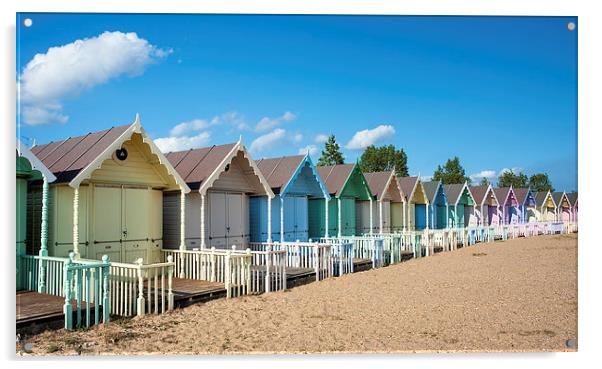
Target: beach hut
294	181
107	198
386	189
461	205
573	199
487	206
416	209
546	206
30	169
438	207
563	206
221	178
526	205
346	184
508	204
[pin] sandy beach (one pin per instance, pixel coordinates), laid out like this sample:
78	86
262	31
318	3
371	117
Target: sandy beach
517	295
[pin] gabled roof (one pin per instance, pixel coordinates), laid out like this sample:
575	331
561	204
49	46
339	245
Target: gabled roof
73	160
479	193
35	163
431	188
557	196
335	176
454	192
521	194
502	194
281	172
572	196
379	182
540	198
201	167
407	184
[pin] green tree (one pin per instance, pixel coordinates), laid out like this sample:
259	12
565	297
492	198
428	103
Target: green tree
484	182
384	158
452	172
540	182
509	178
331	154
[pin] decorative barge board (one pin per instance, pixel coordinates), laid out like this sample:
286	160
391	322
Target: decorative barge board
385	187
487	206
563	206
107	199
29	168
437	204
574	200
416	203
294	181
508	204
461	205
346	184
526	205
217	209
546	206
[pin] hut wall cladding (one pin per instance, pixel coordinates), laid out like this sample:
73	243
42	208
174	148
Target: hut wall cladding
223	209
317	217
296	218
396	217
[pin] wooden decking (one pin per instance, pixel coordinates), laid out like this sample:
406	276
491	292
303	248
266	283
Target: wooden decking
190	291
360	265
37	307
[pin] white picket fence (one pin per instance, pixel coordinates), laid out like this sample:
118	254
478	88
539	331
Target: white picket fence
230	267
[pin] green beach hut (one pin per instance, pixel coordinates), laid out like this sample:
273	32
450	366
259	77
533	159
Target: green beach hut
346	184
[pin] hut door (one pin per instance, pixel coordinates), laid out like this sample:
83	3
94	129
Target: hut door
301	227
386	217
135	226
348	217
107	223
420	216
235	229
217	211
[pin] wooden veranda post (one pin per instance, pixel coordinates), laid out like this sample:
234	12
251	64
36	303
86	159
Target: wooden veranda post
203	221
183	228
43	238
326	202
281	219
371	218
270	220
76	221
140	300
67	282
380	216
339	215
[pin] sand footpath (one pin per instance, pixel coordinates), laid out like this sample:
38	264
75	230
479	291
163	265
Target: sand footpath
517	295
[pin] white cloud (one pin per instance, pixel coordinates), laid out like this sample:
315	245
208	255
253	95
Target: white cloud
312	149
321	138
190	126
426	178
267	123
68	70
233	119
297	137
262	142
367	137
489	174
169	144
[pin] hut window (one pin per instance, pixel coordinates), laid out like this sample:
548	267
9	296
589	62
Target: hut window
227	168
120	155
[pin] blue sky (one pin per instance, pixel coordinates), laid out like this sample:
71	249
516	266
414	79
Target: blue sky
499	92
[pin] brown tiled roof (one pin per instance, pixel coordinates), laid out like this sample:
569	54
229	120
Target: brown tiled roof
278	171
378	182
407	185
453	192
521	194
430	188
501	194
66	158
335	176
196	165
540	197
478	193
557	196
572	196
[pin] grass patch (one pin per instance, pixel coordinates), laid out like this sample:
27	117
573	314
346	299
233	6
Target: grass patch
52	348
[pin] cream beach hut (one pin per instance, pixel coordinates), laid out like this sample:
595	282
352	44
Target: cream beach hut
385	187
546	206
416	210
487	206
107	198
221	179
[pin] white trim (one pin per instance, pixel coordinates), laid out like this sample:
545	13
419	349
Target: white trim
208	183
86	173
36	164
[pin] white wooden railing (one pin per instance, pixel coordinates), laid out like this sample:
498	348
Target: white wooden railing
366	247
232	268
268	268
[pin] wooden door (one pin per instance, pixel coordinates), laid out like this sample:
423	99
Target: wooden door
107	223
420	216
136	224
289	218
386	216
235	216
301	219
156	226
348	216
217	219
